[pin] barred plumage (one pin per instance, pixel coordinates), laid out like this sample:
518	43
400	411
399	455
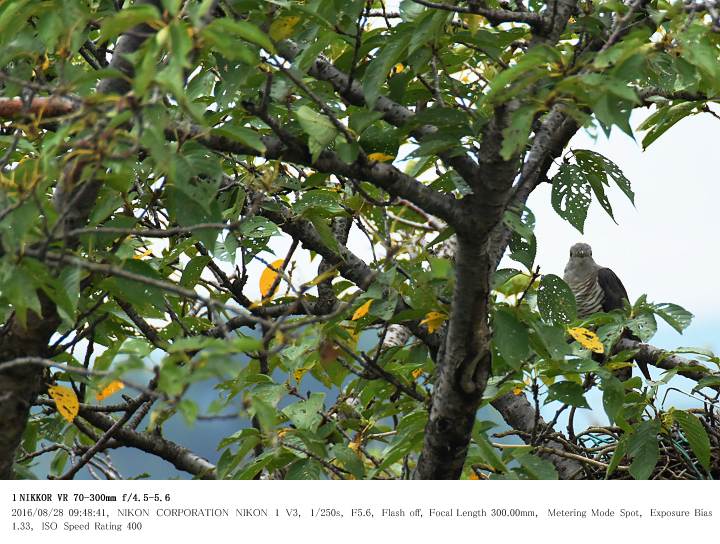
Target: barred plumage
588	294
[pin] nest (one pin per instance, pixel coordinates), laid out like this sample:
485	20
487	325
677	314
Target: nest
595	448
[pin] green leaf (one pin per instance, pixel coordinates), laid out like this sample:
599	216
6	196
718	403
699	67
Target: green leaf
322	226
428	28
537	468
240	29
379	68
552	341
620	452
193	269
318	127
349	460
306	414
230	48
568	393
242	135
573	184
523	245
613	396
698	50
409	435
251	434
710	381
556	302
126	19
264	411
515	135
189	410
21	293
511	338
675	316
254	468
489	453
13	14
664	119
67	294
137	292
644	326
304	469
570	197
529	68
696	436
642	446
258	227
410	10
601	167
612	111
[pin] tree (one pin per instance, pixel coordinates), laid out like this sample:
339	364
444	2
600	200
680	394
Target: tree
152	150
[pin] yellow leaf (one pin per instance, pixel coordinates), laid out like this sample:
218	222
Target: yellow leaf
399	68
473	476
587	339
66	401
109	389
517	390
267	278
283	27
355	444
143	254
380	157
362	310
417	373
299	373
433	321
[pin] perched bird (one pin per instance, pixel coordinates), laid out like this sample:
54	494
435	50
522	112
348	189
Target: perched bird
597	289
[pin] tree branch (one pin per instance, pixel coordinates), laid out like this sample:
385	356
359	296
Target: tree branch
660	358
495	16
182	458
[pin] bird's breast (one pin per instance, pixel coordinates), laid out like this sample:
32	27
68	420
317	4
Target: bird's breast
588	294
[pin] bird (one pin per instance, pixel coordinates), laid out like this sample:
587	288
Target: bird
597	289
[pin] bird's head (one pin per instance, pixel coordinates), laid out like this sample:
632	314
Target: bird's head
581	251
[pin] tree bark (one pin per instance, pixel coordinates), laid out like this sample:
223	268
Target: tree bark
464	368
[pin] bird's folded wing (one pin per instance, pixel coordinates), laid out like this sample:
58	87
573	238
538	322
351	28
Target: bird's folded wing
613	289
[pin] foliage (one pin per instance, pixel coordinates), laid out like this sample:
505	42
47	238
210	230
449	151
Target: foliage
134	219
